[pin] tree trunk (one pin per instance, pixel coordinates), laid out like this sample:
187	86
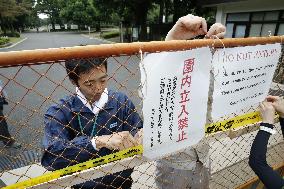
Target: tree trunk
2	27
52	20
176	10
79	27
166	11
141	18
161	14
12	28
98	26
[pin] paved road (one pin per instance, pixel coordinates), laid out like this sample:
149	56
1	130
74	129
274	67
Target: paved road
28	87
52	40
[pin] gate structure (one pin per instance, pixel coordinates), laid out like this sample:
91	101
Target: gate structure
36	79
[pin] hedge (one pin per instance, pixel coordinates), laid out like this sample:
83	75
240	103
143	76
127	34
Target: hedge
110	34
4	40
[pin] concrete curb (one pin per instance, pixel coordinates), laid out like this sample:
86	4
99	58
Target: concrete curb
99	39
13	45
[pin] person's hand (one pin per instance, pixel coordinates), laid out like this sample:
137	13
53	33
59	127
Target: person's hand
267	112
116	141
187	27
216	29
139	137
278	104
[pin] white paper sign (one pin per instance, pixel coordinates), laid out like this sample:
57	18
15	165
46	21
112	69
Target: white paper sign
175	90
242	77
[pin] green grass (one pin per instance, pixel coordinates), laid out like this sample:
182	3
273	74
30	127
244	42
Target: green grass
4	41
11	40
15	39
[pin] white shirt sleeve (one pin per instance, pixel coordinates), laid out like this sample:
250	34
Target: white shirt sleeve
94	143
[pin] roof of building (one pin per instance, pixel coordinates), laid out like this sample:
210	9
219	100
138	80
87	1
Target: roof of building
215	2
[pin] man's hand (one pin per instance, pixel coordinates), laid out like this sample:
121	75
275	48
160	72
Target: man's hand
116	141
278	104
267	112
139	137
187	27
216	29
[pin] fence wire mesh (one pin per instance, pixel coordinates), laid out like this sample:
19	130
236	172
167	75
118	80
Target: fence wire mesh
32	89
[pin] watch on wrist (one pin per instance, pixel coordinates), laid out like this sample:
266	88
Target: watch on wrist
267	129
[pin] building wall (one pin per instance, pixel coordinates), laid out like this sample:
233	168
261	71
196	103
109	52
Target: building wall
247	6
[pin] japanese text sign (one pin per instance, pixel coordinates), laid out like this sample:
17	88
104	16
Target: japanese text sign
175	91
243	76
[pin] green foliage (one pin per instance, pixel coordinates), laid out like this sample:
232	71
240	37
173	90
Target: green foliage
12	34
79	12
52	9
33	20
209	14
4	40
18	14
110	34
131	12
13	14
153	15
9	8
115	18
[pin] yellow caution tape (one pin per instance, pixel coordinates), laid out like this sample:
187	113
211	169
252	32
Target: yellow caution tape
233	123
78	167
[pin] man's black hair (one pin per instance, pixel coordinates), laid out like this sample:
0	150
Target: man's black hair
76	67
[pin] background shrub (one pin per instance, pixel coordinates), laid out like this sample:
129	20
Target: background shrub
13	34
4	40
110	34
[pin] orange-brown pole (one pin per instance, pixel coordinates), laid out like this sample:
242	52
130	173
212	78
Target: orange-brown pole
56	54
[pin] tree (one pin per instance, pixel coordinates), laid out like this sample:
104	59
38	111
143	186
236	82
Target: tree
183	7
139	13
33	20
114	8
161	9
130	11
154	15
80	12
13	14
23	20
8	11
142	9
51	8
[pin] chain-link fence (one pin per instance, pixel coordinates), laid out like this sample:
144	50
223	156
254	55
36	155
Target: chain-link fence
36	115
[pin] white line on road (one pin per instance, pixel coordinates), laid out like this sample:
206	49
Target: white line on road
14	44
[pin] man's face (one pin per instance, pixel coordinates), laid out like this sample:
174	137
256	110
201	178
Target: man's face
93	83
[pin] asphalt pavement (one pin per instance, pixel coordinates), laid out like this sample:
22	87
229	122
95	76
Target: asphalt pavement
46	40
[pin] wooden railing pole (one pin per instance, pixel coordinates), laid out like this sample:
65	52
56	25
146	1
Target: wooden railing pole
56	54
